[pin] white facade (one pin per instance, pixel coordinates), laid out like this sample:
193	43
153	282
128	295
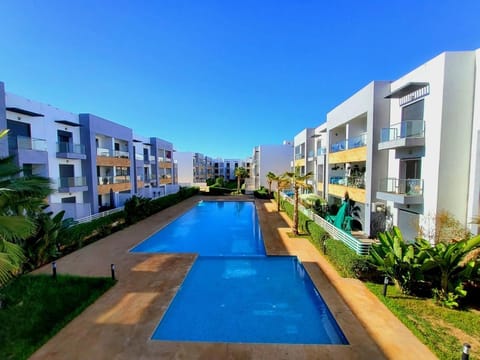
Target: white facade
185	167
354	165
269	158
320	160
433	145
46	142
304	149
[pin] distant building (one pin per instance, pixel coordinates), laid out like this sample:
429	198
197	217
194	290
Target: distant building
95	164
269	158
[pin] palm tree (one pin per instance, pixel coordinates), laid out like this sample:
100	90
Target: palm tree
240	173
298	182
21	197
282	183
271	177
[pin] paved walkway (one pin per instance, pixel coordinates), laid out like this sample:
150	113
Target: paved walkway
119	324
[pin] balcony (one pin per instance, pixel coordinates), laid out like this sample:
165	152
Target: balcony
165	164
108	157
71	151
310	155
114	183
401	191
357	141
299	156
350	181
354	185
72	184
149	159
29	150
104	152
121	154
408	133
321	151
338	146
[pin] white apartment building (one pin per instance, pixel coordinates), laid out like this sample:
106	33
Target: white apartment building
319	159
432	143
304	150
46	141
192	168
354	165
269	158
95	164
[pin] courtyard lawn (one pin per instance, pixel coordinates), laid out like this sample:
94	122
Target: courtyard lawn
36	307
443	330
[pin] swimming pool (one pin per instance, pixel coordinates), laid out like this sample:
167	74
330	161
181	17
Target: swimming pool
212	228
234	292
249	300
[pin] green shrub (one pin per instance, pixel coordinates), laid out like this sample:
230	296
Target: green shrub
215	190
345	260
81	234
137	208
262	193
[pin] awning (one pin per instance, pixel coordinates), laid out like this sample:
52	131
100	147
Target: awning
68	123
23	111
406	89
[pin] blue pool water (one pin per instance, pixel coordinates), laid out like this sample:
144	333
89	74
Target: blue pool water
234	292
249	300
212	228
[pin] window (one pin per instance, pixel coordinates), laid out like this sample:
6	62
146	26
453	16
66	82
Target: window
122	171
413	111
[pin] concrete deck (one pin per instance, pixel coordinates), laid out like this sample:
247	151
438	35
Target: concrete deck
120	323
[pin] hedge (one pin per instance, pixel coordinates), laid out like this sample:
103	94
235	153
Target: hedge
344	259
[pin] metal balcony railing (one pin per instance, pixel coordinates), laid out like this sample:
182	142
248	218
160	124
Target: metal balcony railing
401	186
404	129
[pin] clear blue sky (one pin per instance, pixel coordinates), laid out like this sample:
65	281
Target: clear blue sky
220	77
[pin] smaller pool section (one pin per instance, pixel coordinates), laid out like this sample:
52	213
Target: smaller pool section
212	228
249	300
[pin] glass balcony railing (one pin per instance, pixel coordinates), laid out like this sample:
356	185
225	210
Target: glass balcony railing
64	147
402	186
321	151
121	154
404	129
350	181
68	182
357	141
338	146
104	152
106	180
28	143
299	156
